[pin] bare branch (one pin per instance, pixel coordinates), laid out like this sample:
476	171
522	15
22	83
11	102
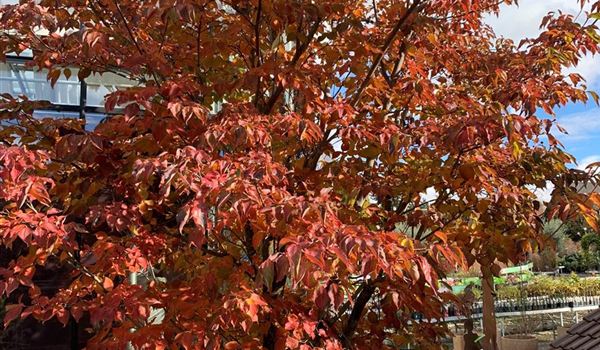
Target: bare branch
130	32
257	58
414	7
297	55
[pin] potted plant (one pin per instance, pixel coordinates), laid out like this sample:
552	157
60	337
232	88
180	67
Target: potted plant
467	340
519	342
458	341
523	340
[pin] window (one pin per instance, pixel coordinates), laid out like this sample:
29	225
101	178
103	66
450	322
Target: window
91	119
17	79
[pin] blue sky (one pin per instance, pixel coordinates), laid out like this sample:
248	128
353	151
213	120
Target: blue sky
582	121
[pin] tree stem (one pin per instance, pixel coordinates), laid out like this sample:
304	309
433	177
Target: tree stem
489	316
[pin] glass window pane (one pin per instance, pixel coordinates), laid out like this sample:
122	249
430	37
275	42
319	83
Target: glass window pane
54	114
17	80
91	119
101	85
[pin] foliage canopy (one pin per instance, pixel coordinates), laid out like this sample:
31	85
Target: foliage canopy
293	217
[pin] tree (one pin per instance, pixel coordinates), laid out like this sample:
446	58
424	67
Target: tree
277	221
576	229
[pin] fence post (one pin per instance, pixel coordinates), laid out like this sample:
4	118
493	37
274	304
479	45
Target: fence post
133	282
562	320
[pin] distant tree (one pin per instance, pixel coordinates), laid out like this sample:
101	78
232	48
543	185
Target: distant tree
591	243
552	245
273	222
576	228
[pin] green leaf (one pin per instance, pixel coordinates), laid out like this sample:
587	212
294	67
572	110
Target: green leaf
595	15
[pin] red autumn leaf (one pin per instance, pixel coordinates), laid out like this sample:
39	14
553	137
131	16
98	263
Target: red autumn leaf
278	174
185	339
321	297
12	312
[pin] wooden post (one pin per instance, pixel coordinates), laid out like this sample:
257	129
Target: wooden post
489	313
562	320
133	281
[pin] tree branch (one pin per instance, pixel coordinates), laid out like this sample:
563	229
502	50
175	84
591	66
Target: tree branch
257	34
257	58
130	32
355	315
312	161
198	45
388	42
299	51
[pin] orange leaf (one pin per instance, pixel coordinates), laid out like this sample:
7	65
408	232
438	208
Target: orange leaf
107	283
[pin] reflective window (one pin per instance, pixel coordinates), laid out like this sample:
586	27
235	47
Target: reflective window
16	80
99	86
91	119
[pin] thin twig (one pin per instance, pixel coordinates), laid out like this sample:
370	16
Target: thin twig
300	49
137	45
257	58
414	7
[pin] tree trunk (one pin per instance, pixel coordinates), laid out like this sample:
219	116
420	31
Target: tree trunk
490	341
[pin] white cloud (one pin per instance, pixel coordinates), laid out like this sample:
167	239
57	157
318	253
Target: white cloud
429	195
523	21
589	69
544	194
580	126
582	164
